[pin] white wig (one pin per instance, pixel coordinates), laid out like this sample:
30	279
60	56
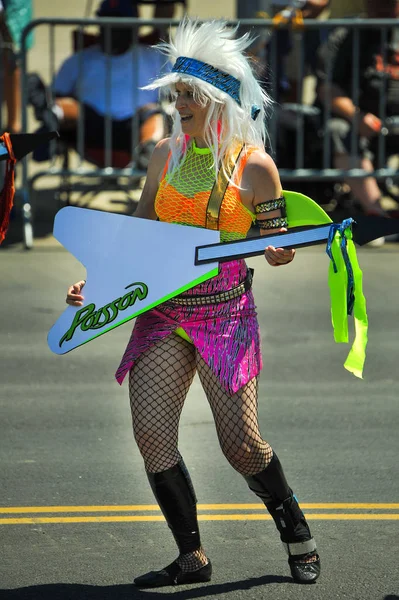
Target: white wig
228	122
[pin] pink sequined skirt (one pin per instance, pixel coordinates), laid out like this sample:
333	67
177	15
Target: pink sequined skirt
226	335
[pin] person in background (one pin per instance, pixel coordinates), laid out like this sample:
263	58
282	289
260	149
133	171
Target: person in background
106	79
286	88
219	132
378	68
14	16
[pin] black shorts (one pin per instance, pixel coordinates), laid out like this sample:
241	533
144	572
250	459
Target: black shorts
121	131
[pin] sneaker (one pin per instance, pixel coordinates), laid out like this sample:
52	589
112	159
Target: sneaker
377	243
39	97
37	93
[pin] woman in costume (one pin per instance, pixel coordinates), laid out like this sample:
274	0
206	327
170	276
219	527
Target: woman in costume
212	329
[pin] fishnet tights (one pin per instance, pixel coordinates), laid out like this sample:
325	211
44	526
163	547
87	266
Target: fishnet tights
158	386
236	420
193	560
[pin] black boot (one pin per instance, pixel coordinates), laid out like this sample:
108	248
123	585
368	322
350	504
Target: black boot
175	494
272	487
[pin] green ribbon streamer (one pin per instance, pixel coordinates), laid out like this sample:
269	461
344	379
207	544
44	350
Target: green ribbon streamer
302	211
338	283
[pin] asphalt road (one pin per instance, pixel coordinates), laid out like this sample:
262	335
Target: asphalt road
77	517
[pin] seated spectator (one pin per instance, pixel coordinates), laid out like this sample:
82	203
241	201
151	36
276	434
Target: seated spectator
105	79
378	69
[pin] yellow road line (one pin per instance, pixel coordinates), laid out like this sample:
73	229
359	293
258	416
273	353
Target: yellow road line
155	507
201	517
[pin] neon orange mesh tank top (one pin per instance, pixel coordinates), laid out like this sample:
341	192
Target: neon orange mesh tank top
183	195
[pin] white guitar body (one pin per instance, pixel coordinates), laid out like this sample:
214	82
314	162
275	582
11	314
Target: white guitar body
132	265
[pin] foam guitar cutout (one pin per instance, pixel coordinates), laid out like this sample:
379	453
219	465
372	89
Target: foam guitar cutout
132	265
136	264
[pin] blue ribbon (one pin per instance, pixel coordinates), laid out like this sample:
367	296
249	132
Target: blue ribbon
341	228
255	110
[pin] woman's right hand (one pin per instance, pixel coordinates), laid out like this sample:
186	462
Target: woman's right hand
74	296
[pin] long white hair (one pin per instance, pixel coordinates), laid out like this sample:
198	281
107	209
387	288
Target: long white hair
228	123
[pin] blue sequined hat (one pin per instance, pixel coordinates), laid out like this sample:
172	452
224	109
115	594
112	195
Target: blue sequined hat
223	81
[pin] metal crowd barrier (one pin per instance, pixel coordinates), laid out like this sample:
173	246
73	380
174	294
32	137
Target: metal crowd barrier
265	29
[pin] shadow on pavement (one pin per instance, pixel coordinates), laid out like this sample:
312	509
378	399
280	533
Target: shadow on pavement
64	591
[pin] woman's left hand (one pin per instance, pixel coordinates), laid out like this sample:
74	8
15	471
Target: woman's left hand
279	256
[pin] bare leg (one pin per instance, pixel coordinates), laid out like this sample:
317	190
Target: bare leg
153	129
68	112
366	189
69	109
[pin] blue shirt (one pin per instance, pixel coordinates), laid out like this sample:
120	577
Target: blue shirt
110	84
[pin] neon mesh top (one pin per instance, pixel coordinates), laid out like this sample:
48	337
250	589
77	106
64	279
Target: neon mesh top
183	195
